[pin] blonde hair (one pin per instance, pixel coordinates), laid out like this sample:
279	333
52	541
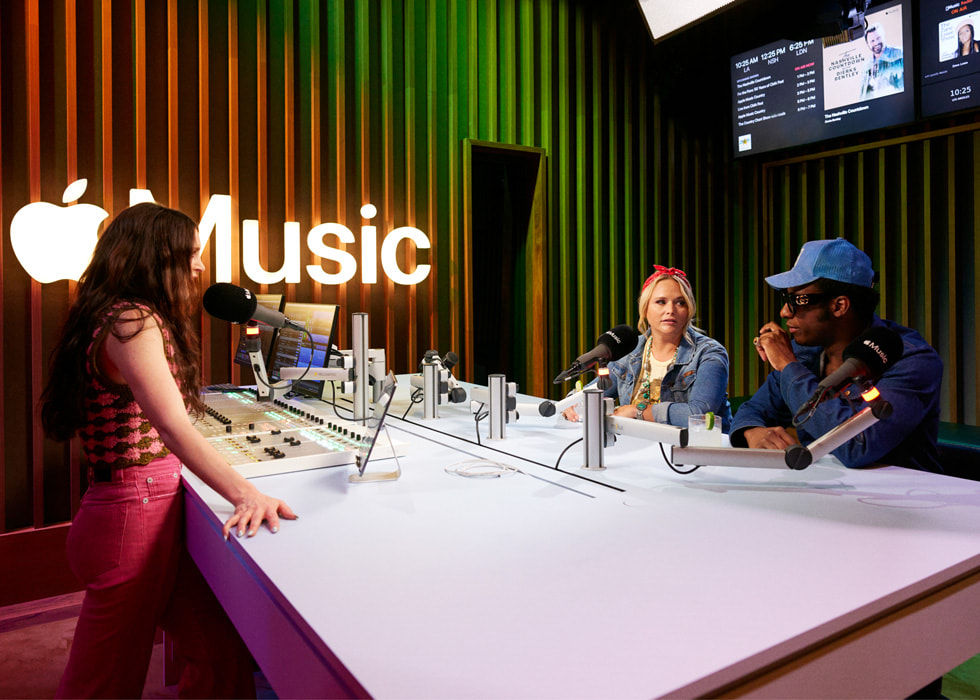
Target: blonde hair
647	294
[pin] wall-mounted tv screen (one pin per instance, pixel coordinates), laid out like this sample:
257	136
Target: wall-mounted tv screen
792	92
950	55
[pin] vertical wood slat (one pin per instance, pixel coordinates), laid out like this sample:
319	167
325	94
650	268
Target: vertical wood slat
139	70
105	76
905	317
203	106
597	226
262	132
71	168
204	156
928	242
173	97
362	63
338	43
312	22
451	147
973	395
951	371
411	159
433	68
34	155
388	150
580	175
4	465
564	175
288	109
466	230
879	232
234	127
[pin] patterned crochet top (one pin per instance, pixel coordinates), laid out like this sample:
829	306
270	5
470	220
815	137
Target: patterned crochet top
116	433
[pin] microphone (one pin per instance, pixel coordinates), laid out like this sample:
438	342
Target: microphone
868	357
611	346
450	360
228	302
457	394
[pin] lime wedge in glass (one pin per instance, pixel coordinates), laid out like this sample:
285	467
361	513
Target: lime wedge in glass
709	420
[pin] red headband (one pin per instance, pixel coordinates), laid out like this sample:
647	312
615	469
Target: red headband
660	270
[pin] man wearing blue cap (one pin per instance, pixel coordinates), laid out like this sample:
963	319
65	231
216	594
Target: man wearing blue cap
828	302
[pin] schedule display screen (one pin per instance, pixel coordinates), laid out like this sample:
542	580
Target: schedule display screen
793	92
950	55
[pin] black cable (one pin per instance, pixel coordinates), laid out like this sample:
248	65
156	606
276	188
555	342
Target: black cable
570	446
809	408
477	417
333	400
416	397
669	464
305	371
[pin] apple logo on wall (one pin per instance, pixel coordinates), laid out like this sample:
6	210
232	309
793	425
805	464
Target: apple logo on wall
55	243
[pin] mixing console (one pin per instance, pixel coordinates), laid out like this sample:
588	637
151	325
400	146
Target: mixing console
285	435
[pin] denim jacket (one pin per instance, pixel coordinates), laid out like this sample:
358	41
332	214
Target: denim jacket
907	438
696	382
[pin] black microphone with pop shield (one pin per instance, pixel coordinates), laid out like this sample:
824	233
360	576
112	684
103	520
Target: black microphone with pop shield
450	360
865	360
611	346
868	357
229	302
457	394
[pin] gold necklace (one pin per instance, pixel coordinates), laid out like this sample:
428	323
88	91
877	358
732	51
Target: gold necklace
645	395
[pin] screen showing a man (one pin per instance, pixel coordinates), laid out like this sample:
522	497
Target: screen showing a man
884	70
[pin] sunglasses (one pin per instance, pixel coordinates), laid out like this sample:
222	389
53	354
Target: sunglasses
795	301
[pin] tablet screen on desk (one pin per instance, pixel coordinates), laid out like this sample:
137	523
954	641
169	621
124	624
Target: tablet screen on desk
372	425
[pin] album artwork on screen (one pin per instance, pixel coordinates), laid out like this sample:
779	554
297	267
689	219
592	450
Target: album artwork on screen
792	92
950	55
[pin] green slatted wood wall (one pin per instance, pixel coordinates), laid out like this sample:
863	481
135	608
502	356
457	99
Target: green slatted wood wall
303	111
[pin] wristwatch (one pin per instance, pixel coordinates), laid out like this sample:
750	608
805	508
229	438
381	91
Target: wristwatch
640	408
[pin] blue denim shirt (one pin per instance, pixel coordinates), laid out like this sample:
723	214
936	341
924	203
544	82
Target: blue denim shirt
696	382
906	438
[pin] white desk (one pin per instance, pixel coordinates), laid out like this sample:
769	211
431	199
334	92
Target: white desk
822	583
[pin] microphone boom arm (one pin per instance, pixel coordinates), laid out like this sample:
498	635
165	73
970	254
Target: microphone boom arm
793	457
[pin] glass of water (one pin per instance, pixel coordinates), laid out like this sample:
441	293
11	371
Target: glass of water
704	430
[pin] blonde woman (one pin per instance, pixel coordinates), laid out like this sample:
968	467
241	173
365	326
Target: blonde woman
675	370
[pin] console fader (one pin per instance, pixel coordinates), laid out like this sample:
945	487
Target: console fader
259	438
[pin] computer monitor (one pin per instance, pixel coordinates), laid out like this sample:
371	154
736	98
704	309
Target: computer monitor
266	333
792	92
950	75
293	348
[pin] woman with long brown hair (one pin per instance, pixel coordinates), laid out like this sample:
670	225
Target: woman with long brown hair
123	377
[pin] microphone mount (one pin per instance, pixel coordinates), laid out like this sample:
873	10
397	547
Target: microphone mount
796	457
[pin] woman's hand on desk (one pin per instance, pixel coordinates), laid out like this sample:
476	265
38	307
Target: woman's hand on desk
628	411
253	509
